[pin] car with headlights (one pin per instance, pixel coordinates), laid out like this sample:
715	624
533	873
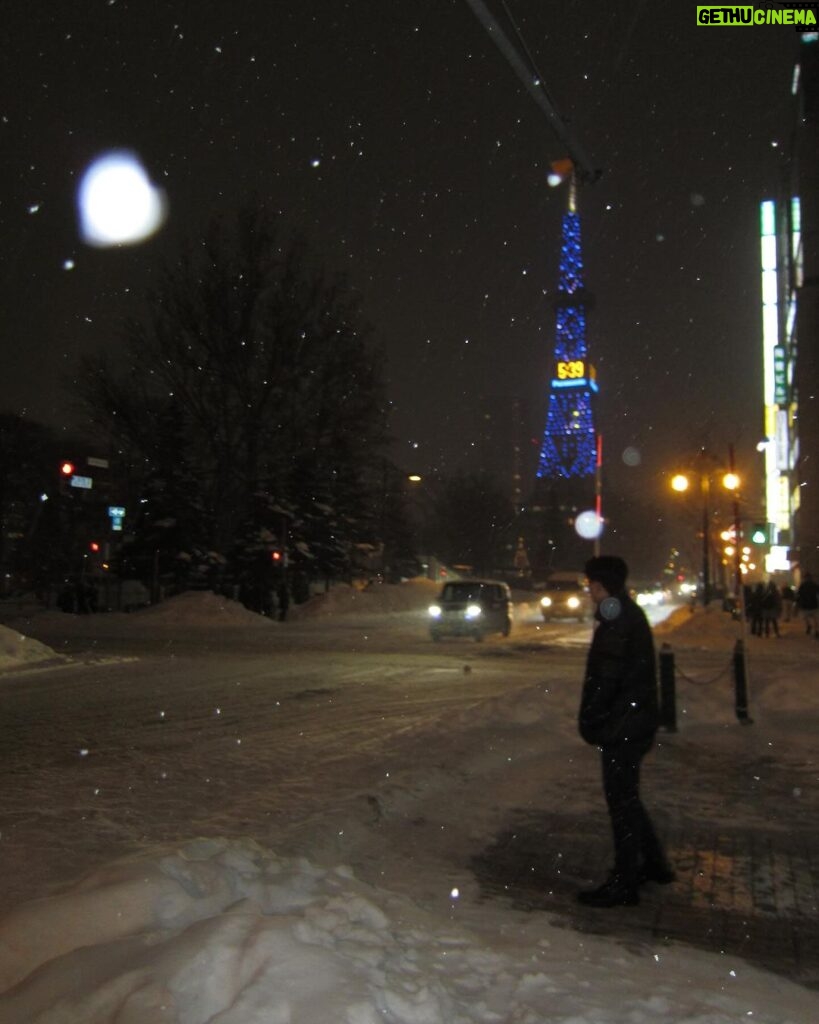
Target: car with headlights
565	596
471	608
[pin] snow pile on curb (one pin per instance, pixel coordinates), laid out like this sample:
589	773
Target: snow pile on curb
412	595
229	931
18	651
200	608
711	627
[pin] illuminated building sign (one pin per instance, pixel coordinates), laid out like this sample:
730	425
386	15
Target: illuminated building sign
574	373
780	380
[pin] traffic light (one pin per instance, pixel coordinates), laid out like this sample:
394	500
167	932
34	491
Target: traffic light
94	545
66	472
275	557
759	533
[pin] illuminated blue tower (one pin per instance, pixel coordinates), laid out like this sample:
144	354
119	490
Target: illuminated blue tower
569	449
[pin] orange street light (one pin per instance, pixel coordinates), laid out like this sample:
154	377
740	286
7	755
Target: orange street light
679	483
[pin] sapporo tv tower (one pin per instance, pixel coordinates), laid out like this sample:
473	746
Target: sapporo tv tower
566	504
568	479
569	446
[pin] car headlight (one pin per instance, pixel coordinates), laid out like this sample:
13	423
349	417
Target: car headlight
546	602
473	611
573	603
435	611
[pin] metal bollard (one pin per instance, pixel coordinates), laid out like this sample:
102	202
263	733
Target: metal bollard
668	704
741	684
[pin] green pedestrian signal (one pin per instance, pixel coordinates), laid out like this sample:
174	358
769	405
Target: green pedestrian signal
759	533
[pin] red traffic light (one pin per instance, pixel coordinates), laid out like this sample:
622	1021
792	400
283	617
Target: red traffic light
93	545
67	468
275	556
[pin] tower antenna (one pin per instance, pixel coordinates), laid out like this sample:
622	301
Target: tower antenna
530	77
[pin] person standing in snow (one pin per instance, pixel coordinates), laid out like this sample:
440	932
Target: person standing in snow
807	601
619	714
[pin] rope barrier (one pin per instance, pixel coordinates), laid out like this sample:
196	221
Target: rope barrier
667	686
706	682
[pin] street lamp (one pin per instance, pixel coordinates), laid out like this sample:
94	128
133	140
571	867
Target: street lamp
680	483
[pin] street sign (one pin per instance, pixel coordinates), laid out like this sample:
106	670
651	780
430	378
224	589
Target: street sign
116	514
84	482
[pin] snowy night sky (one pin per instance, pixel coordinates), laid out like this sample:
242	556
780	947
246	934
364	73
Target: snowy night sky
398	139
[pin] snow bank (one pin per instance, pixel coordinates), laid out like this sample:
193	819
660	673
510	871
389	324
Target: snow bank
18	651
227	932
710	627
199	608
412	595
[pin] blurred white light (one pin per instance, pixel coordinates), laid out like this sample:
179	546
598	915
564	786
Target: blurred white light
589	525
554	180
117	203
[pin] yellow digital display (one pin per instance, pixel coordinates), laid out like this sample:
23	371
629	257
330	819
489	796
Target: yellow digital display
573	369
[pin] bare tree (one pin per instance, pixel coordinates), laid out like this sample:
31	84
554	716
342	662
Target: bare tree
268	371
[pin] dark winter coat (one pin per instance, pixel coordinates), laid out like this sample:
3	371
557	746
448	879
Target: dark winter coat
807	596
619	699
771	602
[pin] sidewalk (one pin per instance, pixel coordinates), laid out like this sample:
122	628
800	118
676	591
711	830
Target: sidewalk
747	894
736	806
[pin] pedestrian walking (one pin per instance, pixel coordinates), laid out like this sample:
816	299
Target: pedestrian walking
788	602
755	609
771	608
807	601
619	714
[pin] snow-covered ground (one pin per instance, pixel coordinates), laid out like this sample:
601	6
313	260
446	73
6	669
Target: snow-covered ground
228	931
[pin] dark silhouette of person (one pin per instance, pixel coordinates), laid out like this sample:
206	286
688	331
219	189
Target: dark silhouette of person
756	612
771	608
807	601
619	714
788	602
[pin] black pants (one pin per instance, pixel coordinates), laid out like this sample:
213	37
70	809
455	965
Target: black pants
635	842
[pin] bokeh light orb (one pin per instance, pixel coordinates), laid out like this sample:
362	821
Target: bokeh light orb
117	202
632	457
588	525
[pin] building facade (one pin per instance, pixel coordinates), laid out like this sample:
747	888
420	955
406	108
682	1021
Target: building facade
789	228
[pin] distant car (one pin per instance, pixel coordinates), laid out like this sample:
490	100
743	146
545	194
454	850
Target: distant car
471	608
565	597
